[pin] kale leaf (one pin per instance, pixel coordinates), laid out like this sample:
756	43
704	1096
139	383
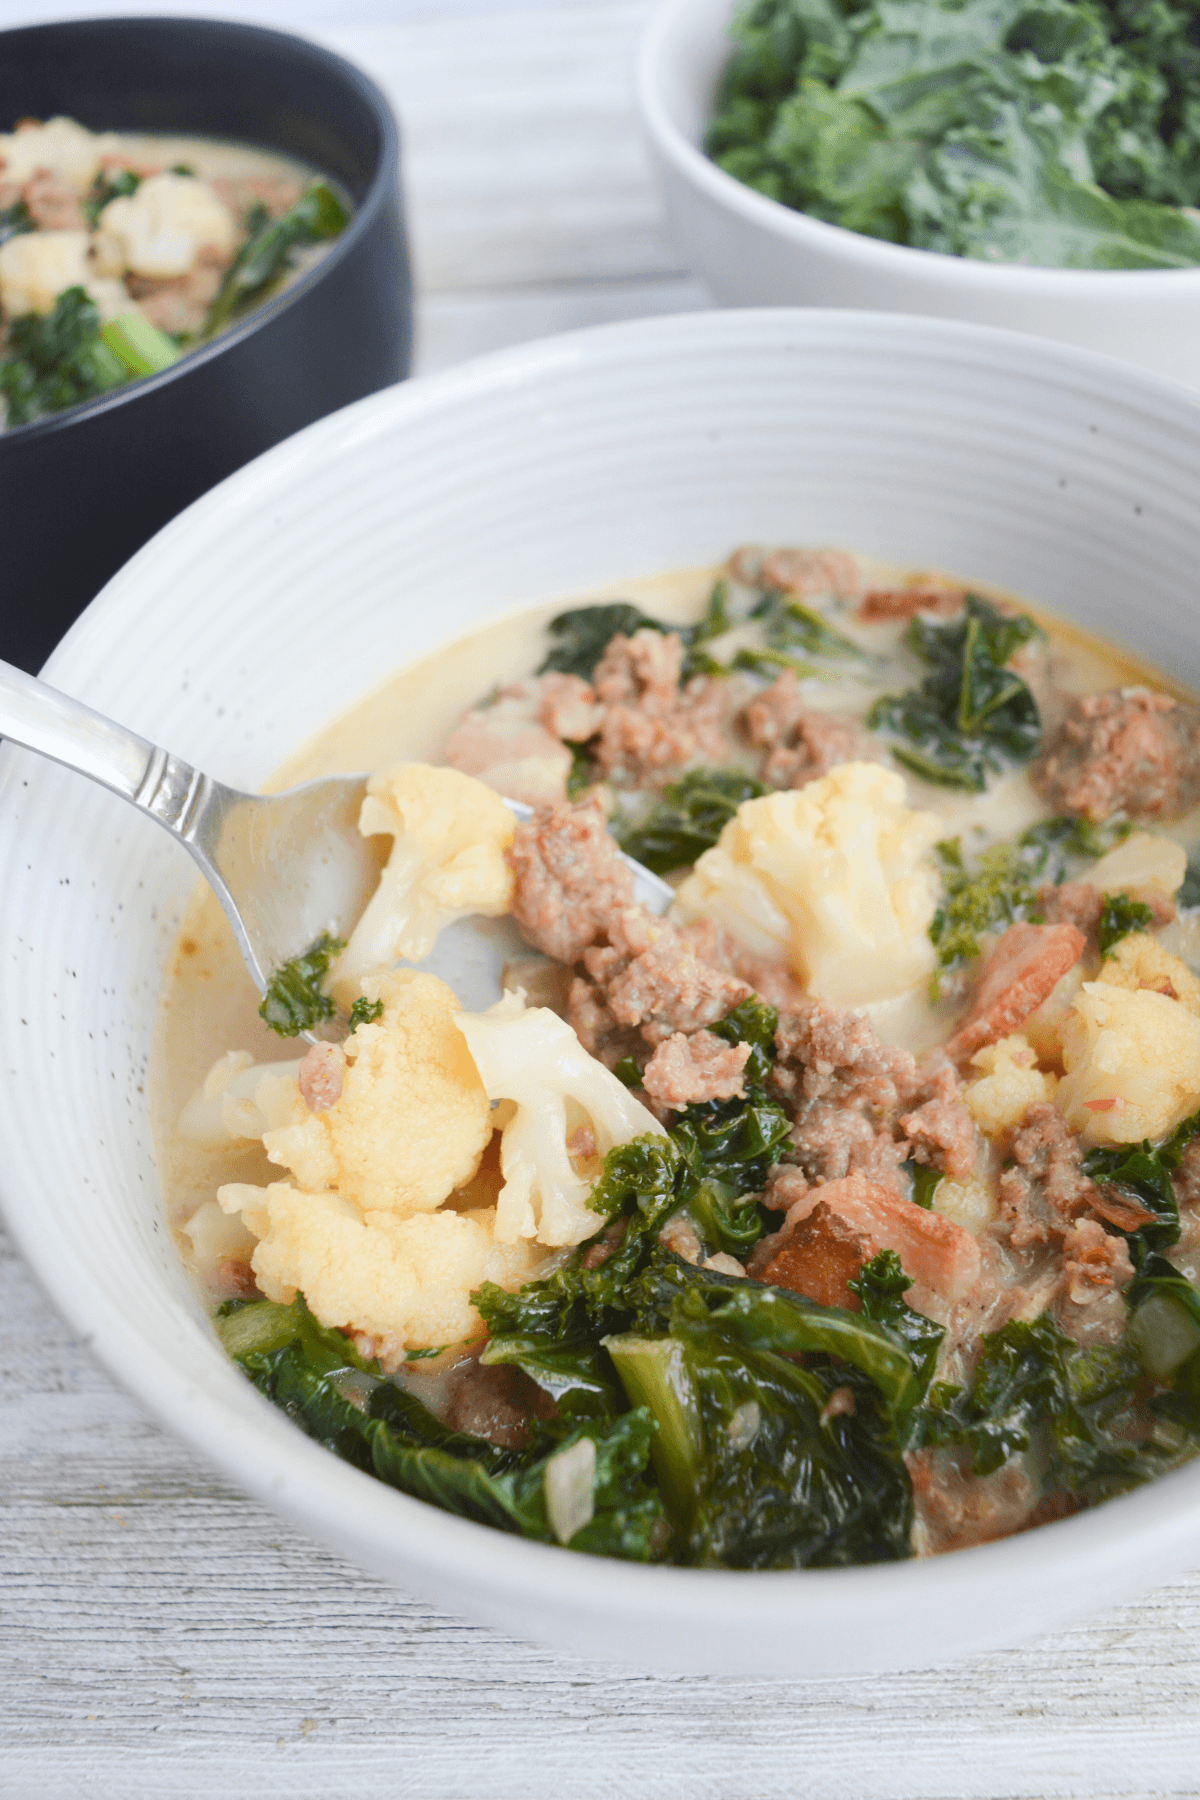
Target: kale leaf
579	638
15	220
1053	132
108	184
1074	1409
1143	1172
56	360
317	1378
971	714
1120	915
689	818
293	1001
363	1012
881	1285
1164	1332
713	622
262	262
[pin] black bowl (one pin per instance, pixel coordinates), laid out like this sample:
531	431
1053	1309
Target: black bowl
80	491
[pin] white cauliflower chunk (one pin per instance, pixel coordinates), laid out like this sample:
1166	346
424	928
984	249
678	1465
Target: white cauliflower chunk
1010	1083
1133	1064
447	861
412	1119
37	266
1144	860
969	1203
569	1111
59	147
385	1276
163	227
1139	961
835	876
226	1105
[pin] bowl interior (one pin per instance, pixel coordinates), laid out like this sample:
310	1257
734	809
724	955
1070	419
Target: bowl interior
395	526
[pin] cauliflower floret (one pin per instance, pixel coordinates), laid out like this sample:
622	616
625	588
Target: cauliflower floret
59	146
371	1271
569	1110
37	266
1144	860
162	228
1045	1028
1133	1064
450	834
969	1203
836	876
1011	1083
1139	961
227	1104
412	1119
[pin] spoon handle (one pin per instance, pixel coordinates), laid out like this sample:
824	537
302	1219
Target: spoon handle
40	718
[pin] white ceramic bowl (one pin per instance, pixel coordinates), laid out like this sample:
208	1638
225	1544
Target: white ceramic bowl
752	251
402	522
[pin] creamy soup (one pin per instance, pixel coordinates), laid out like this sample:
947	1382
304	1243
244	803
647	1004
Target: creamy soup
844	1213
119	251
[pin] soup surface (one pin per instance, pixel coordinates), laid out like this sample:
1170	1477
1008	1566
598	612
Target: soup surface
121	250
844	1213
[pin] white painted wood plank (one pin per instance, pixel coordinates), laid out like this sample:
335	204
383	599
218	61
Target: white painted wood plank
521	154
450	327
162	1636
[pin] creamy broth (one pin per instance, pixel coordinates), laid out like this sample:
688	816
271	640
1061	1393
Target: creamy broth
209	1001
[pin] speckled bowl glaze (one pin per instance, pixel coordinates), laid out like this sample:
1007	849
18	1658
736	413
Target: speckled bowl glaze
752	251
392	527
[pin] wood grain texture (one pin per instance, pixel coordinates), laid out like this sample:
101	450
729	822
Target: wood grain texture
162	1636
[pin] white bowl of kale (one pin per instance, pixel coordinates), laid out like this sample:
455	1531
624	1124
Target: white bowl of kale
986	456
1030	166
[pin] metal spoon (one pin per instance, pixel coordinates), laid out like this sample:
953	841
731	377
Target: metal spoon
285	867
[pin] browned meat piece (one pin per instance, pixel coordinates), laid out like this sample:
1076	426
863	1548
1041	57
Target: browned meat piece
180	304
653	979
1095	1262
771	981
278	193
497	1403
955	1508
1127	750
1044	1189
653	727
933	1250
810	571
928	596
570	879
567	707
1025	965
825	1054
861	1106
597	1030
53	204
320	1076
1186	1179
801	742
685	1070
940	1130
1078	903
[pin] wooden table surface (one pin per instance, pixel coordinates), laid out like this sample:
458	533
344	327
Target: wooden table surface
159	1634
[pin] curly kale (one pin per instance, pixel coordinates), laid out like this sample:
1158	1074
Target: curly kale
972	715
262	262
15	220
109	184
1073	1409
579	638
363	1012
793	635
55	360
689	818
1143	1174
1118	917
319	1380
1063	133
293	1001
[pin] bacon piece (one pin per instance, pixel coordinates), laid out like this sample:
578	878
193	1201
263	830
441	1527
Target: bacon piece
858	1218
1023	968
907	602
